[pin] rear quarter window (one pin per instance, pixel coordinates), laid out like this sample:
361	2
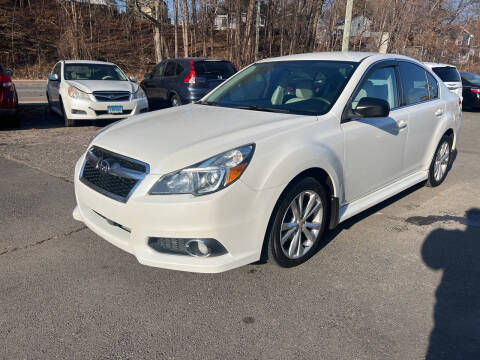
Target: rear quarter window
447	74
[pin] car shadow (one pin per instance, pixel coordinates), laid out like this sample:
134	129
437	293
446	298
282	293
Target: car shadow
38	116
456	332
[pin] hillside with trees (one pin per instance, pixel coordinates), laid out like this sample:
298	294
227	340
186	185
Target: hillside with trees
136	34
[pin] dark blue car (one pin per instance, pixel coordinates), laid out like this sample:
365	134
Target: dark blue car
174	82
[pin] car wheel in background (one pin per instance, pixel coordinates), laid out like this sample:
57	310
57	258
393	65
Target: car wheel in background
441	162
298	223
68	122
175	101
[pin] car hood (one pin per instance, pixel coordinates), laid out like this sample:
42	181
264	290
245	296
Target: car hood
90	86
175	138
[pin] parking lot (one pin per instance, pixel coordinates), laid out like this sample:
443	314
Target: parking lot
395	282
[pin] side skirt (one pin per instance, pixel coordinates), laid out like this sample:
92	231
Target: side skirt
357	206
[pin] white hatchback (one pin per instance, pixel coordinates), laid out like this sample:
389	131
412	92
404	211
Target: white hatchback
268	161
90	90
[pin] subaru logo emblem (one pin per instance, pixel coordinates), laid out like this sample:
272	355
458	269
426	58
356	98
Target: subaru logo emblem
103	165
112	96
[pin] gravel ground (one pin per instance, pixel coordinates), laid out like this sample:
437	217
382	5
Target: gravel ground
399	281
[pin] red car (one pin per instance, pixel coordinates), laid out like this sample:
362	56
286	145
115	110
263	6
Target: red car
8	97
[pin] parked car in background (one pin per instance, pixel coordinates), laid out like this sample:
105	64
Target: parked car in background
8	98
175	82
471	90
90	90
449	75
269	160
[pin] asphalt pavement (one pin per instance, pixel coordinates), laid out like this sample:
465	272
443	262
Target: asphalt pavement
399	281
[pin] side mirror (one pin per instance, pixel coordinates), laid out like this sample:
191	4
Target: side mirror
53	77
133	79
372	107
147	76
9	72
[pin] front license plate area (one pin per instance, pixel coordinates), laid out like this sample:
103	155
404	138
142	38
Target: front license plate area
115	109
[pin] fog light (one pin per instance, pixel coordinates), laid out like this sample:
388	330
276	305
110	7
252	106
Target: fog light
192	247
197	247
79	112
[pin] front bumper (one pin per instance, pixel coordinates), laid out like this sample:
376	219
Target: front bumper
83	109
237	217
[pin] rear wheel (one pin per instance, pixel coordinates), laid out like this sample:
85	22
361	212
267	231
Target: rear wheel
299	223
68	122
175	100
441	162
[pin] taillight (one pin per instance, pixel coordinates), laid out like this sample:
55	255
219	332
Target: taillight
234	66
475	90
191	78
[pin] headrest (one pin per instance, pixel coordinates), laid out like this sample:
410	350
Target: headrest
304	89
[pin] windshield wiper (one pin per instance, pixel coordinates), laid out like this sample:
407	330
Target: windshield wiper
258	108
209	103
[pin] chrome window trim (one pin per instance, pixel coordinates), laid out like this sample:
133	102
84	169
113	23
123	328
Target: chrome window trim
139	175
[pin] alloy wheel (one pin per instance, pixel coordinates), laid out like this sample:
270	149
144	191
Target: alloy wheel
301	224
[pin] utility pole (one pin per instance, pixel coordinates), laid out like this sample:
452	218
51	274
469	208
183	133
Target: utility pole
257	30
346	25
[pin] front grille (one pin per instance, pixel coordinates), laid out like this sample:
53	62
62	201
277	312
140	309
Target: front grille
111	96
112	174
105	112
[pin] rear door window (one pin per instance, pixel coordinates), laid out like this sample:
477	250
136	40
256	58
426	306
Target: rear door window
178	69
447	74
414	83
170	69
214	69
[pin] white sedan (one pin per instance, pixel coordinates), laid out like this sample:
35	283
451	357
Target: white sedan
90	90
268	161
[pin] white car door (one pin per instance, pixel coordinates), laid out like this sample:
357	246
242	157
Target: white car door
374	147
425	109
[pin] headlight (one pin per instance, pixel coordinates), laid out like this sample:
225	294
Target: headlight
207	176
75	93
140	94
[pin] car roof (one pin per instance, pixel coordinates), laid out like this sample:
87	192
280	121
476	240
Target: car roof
87	62
195	59
435	65
352	56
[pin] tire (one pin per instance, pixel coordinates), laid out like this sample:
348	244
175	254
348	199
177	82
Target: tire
441	161
175	101
284	249
68	122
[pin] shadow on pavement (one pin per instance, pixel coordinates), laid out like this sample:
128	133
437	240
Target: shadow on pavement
38	116
456	332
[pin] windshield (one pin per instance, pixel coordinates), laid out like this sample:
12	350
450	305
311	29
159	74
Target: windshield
298	87
473	78
447	74
93	72
214	69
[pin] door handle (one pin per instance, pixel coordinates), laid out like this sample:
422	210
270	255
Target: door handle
402	124
439	112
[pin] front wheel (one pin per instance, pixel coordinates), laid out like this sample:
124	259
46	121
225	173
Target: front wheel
299	223
441	161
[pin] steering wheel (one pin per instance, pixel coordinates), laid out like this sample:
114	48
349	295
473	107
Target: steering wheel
324	100
108	77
